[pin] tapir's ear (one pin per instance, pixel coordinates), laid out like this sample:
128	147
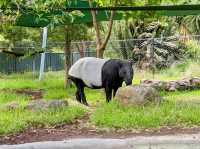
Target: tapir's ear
131	61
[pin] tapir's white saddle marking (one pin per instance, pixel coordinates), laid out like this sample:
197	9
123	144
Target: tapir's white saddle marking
89	70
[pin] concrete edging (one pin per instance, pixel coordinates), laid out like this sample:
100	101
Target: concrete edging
155	142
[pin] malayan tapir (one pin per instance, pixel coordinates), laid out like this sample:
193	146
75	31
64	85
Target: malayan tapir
99	73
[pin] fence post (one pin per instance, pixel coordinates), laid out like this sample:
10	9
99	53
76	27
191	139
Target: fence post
44	46
34	69
153	56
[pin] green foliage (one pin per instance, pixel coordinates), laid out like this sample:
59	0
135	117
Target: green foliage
78	32
193	49
17	36
53	11
190	23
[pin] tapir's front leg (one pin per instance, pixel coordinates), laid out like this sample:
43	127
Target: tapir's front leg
108	91
114	91
116	86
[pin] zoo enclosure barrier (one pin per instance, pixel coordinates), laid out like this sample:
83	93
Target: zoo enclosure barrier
147	53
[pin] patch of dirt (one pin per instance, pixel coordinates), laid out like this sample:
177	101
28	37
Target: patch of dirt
78	129
35	94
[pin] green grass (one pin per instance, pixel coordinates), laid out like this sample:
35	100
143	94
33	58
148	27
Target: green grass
17	120
181	108
53	85
28	80
170	112
6	97
183	95
179	71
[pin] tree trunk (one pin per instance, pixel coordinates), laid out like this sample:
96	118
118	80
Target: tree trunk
100	52
101	46
110	25
97	29
67	53
81	48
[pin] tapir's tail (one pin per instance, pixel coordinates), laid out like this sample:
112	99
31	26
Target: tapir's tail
69	77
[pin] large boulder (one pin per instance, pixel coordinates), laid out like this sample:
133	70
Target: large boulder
36	105
137	95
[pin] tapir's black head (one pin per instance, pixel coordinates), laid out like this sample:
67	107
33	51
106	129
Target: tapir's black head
126	72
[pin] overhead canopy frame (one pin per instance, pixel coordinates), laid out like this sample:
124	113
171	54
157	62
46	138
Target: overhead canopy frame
31	20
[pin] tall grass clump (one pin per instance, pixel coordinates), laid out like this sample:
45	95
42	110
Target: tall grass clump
169	113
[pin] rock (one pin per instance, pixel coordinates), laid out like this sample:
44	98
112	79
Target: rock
12	106
57	103
137	95
38	105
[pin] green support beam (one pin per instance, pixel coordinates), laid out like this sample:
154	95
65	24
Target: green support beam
179	13
139	8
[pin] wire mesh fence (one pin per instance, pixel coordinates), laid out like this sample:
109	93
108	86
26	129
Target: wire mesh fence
147	53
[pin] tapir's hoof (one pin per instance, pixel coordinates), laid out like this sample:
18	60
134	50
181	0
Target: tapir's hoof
86	104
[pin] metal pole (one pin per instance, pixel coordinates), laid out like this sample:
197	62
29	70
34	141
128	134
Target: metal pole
44	46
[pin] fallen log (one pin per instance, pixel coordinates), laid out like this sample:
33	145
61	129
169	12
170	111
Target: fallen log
173	85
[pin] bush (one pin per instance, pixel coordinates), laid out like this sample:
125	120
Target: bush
193	49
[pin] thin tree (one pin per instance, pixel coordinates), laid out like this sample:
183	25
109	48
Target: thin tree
67	53
101	44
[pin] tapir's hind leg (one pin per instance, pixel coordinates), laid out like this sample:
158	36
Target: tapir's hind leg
83	98
80	95
80	87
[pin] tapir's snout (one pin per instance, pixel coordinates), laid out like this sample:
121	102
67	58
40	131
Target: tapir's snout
128	82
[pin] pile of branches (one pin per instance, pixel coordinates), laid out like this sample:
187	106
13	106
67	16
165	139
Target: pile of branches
151	52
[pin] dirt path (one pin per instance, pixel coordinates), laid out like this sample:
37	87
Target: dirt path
78	129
